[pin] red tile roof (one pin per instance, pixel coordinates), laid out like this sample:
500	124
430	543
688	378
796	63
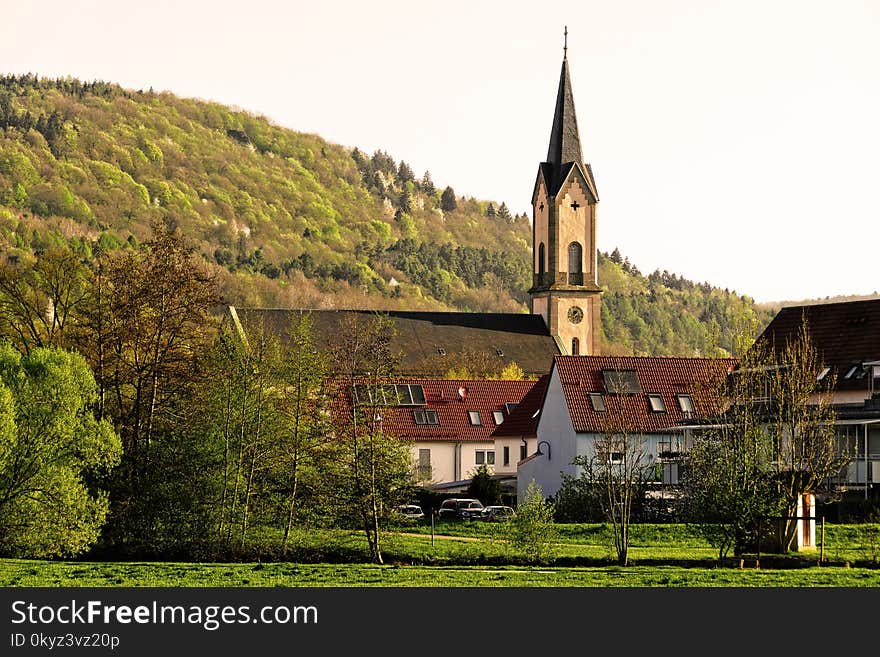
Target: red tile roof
524	419
441	395
668	377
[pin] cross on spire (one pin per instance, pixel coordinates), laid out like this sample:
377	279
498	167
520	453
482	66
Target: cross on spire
565	47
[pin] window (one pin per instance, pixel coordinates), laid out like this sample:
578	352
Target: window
541	258
598	402
509	406
575	258
474	417
506	455
424	464
425	416
441	351
608	457
499	351
498	416
656	402
523	452
486	457
390	395
686	404
621	381
851	371
823	373
575	347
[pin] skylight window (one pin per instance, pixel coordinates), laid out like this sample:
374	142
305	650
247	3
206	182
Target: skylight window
425	416
474	417
823	373
598	402
390	395
656	402
620	382
686	404
498	416
509	406
852	370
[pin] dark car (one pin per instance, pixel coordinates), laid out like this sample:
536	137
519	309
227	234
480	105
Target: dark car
460	508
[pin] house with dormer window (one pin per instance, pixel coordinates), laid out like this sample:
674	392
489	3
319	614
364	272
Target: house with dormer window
657	399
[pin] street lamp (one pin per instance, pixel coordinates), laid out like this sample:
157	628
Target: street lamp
540	453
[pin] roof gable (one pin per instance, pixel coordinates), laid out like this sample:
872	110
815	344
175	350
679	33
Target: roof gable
524	419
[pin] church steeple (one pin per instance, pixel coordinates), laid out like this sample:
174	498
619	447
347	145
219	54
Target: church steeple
565	140
565	289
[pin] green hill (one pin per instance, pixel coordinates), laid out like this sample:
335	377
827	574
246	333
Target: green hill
290	220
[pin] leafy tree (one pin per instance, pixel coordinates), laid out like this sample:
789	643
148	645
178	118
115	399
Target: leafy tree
448	202
147	326
774	440
376	467
531	532
52	450
484	487
39	300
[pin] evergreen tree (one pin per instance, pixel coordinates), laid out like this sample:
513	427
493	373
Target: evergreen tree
490	210
503	212
448	202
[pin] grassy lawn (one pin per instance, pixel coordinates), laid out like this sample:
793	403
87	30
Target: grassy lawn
476	554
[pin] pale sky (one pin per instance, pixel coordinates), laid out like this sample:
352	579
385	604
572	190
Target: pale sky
735	142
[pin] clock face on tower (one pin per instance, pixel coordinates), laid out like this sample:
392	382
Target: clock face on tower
575	315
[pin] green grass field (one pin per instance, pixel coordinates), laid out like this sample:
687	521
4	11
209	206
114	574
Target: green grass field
476	554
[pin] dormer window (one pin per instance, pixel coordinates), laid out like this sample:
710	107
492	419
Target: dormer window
656	402
686	404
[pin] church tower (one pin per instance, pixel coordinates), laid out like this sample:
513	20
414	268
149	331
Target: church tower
565	288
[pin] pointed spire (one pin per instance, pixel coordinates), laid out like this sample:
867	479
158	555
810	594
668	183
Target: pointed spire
565	142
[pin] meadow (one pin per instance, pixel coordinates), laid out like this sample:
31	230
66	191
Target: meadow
474	554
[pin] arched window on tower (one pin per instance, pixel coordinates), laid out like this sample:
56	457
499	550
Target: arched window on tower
575	264
541	258
575	347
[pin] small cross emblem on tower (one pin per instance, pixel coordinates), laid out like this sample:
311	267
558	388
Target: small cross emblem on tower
541	207
575	205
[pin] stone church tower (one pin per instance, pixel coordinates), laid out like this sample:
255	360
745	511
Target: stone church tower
565	288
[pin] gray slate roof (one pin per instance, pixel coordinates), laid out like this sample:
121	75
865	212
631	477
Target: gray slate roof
420	336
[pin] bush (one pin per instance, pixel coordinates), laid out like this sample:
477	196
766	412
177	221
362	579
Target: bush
532	532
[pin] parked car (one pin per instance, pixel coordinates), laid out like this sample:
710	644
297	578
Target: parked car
496	513
410	512
460	508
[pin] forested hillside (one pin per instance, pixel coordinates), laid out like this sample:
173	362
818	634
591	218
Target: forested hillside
288	219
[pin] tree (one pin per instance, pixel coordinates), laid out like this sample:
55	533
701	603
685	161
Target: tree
773	440
307	453
52	451
503	211
40	300
619	466
484	487
490	210
448	202
376	466
148	326
531	531
428	184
